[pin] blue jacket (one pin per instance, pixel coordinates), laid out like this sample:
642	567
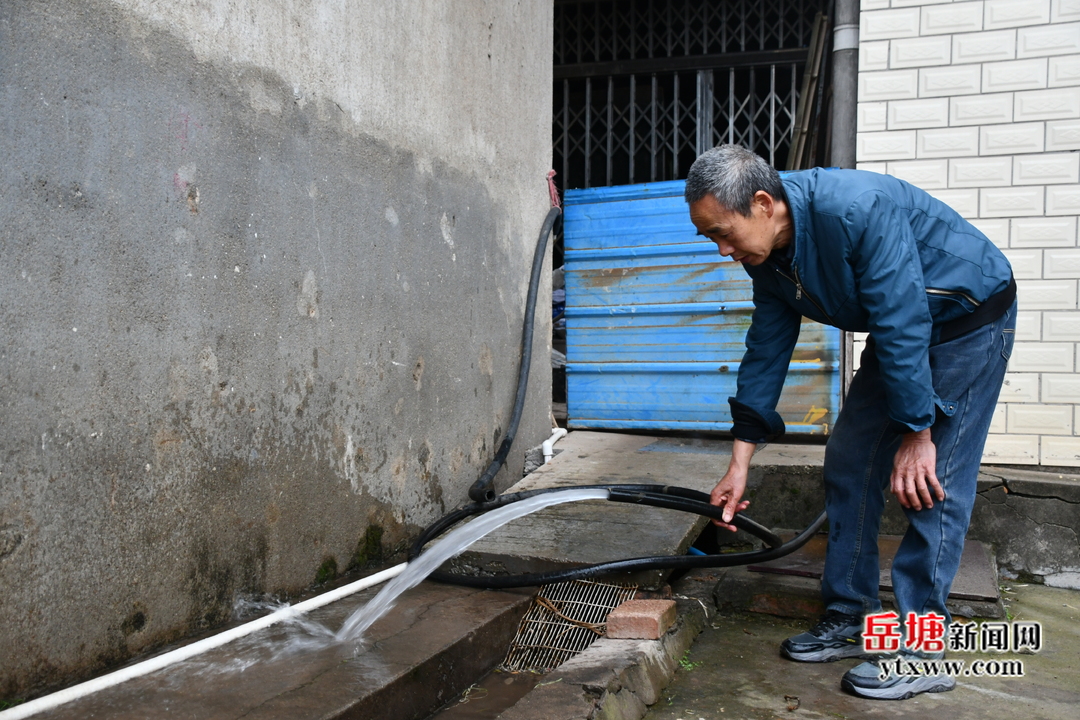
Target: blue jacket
871	254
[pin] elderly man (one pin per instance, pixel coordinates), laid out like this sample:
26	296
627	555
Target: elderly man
867	253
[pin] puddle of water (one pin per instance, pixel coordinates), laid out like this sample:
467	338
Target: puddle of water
489	697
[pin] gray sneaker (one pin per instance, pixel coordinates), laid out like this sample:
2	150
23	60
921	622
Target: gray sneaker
896	678
837	635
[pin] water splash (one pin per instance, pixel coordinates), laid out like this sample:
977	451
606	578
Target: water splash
453	543
303	634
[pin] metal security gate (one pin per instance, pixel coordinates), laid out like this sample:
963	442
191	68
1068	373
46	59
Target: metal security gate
656	321
642	87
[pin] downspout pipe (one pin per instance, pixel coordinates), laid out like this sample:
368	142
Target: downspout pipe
549	444
482	490
845	82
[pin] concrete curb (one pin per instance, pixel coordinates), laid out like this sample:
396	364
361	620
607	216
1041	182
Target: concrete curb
613	679
739	590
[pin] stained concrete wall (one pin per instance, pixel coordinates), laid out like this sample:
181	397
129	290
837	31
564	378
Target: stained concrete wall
263	279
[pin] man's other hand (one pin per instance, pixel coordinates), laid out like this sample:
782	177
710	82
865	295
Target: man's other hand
914	475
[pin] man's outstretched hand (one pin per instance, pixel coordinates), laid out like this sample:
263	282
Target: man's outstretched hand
729	491
914	473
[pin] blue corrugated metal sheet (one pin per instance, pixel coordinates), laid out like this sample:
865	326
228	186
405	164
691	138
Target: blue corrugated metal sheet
656	321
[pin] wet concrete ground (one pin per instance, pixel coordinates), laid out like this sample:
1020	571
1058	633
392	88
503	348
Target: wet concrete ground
734	671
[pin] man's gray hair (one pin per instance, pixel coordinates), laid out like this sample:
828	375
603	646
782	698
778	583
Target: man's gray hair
732	174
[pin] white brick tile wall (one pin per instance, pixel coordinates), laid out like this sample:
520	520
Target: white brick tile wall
1061	326
874	55
965	202
1013	450
998	422
1061	388
983	47
1061	264
1063	200
1062	135
1014	75
899	145
1048	40
1047	295
1043	232
872	117
1041	357
911	114
1055	104
1014	13
889	85
981	109
1063	70
858	346
1060	451
980	172
1020	387
877	167
927	174
1064	10
1017	201
948	143
1011	139
920	51
1040	419
996	229
953	18
1026	264
978	102
1028	330
1047	168
888	24
949	80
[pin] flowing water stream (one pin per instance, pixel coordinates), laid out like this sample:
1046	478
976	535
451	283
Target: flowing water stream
455	542
313	635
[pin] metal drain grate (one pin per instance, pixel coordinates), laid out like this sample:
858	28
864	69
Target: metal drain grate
565	618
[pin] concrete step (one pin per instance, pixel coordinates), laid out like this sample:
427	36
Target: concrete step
435	643
791	585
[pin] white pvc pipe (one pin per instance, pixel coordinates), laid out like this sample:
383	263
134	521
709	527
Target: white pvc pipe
172	657
549	444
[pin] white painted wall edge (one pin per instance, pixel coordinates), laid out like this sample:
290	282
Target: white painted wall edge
172	657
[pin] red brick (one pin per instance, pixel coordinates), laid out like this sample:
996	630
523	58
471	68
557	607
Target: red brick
641	619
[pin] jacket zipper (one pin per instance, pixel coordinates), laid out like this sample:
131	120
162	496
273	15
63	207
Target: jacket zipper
799	290
938	291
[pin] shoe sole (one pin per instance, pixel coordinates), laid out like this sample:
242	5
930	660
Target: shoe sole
826	655
911	689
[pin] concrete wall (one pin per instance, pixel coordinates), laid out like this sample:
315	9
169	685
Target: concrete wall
263	280
979	104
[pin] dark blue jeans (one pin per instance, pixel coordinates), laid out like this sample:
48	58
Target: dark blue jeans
967	375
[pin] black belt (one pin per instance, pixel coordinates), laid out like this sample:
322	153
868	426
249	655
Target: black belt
990	310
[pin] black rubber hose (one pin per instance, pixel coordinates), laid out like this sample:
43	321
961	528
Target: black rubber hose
695	506
481	490
658	495
670	497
